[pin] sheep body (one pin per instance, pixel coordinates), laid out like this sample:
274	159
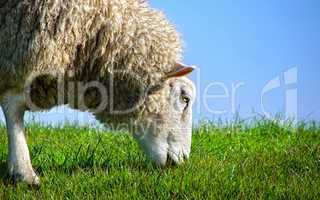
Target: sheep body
120	54
122	40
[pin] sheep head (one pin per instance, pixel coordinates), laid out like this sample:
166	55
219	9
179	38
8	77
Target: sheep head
165	127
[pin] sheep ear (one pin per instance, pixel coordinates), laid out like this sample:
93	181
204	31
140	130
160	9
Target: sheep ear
180	69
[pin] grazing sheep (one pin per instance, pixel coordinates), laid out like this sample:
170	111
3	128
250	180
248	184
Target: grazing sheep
115	58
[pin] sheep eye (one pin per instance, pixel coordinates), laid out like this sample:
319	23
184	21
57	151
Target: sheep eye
186	100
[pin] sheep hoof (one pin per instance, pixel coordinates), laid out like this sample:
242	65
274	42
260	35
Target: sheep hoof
30	178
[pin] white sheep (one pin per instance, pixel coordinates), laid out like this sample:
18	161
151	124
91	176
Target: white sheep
115	58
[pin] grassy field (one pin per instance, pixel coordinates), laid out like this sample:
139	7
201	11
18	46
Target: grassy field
258	160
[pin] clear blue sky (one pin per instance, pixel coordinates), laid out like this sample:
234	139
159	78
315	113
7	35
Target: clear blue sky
249	42
252	42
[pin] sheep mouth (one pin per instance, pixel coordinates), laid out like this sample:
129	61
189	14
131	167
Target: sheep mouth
173	162
170	161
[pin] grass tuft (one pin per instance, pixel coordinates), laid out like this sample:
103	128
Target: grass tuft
253	159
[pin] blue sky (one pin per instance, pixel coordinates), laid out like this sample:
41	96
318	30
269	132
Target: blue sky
247	44
251	42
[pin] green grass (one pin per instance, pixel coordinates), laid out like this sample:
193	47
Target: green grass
258	160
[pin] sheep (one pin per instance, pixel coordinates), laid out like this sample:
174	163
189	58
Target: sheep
119	59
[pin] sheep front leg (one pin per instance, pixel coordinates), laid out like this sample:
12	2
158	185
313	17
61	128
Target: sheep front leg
19	163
